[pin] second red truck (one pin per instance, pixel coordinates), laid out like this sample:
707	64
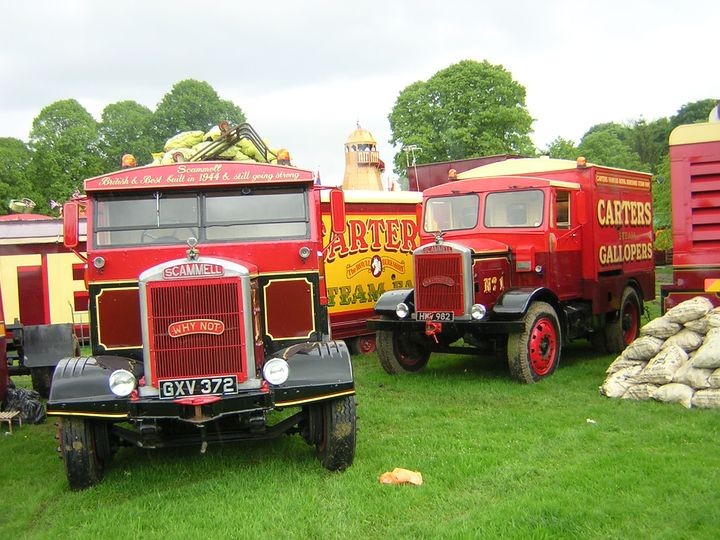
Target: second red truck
519	258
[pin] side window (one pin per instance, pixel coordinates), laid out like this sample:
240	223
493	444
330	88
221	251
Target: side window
562	209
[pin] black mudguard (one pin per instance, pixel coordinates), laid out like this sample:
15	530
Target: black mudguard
317	371
388	301
514	303
80	384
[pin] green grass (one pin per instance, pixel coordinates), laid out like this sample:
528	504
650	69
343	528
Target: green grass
499	459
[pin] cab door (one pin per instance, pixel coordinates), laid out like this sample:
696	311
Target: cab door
565	244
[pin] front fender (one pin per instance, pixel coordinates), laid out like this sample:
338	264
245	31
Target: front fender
318	371
81	383
515	302
388	301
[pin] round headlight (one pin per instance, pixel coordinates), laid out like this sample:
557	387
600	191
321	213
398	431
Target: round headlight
477	311
99	262
402	310
304	252
122	382
276	371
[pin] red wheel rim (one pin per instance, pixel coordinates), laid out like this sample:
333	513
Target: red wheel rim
630	322
542	346
366	344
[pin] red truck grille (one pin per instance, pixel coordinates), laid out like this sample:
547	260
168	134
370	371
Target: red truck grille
196	329
439	282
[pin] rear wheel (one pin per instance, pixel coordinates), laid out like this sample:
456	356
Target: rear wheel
626	328
332	427
85	449
41	378
400	352
534	353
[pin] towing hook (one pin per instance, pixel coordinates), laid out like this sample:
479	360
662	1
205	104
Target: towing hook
432	329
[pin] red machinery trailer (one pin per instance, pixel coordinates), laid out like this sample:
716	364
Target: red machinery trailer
520	257
427	175
695	185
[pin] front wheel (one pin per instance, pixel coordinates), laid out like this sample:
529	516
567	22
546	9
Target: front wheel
400	352
534	353
332	427
626	328
84	450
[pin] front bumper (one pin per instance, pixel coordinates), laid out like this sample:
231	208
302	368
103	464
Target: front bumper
462	327
319	372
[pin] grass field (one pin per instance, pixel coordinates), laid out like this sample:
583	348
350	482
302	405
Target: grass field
499	460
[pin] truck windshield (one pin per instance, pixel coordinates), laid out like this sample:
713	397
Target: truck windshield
251	214
514	209
451	213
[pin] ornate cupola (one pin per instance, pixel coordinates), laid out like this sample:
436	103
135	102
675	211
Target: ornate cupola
363	166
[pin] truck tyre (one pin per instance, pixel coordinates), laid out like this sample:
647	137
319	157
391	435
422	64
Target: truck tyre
41	378
400	352
534	353
623	331
81	451
335	436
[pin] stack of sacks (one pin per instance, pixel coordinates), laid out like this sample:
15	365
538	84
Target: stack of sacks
189	143
675	359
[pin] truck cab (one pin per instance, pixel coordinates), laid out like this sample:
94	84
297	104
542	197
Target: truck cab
520	257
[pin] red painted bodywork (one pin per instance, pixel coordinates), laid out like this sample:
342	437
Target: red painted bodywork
591	260
695	188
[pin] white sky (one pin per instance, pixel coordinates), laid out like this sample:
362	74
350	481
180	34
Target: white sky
304	72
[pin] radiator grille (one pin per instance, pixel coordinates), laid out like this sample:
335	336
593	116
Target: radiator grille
196	354
439	282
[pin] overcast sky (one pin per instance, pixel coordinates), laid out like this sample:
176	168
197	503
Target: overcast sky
305	72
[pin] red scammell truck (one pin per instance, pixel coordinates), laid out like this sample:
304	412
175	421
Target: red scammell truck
520	257
208	311
695	184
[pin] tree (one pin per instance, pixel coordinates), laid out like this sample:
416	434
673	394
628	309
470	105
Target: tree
692	113
466	110
64	142
662	210
604	147
15	159
125	129
192	105
562	149
650	141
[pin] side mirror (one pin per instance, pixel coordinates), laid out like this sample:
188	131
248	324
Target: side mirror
337	211
71	224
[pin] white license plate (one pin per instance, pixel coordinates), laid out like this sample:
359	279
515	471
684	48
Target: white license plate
436	316
199	386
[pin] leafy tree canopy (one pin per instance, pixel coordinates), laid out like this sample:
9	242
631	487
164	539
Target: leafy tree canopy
562	149
465	110
192	105
125	129
607	148
64	142
692	113
15	160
